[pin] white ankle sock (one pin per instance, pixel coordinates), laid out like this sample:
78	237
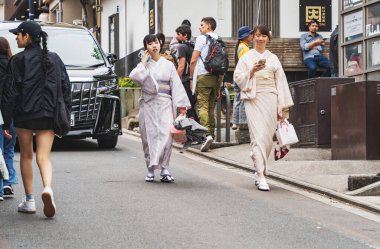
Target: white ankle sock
164	171
151	171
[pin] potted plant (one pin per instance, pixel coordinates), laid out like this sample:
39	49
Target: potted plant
130	92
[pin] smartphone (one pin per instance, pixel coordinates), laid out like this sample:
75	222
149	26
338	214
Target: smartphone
262	61
141	53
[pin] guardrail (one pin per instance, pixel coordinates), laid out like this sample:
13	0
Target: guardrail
224	93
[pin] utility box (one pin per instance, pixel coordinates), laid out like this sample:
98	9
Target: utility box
355	121
311	115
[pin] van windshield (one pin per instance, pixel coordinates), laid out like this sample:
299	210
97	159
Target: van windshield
75	47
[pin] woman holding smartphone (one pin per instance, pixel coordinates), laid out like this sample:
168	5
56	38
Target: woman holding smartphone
266	96
162	95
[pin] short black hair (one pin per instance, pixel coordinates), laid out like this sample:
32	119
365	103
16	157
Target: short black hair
211	21
313	21
148	39
186	22
161	39
184	29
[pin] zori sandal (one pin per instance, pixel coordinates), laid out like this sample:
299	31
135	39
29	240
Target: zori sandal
149	178
167	178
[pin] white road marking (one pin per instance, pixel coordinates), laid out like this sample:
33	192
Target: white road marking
312	195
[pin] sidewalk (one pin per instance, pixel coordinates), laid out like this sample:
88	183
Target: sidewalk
308	168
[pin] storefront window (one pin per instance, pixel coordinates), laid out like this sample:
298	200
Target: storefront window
373	55
351	3
353	26
372	26
353	60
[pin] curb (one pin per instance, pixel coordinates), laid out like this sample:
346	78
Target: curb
285	179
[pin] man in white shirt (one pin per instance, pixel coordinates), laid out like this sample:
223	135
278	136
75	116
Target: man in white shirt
206	85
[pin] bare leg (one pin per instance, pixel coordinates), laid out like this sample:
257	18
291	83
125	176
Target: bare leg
25	138
44	140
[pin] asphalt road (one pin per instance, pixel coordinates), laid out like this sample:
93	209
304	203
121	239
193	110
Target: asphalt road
104	202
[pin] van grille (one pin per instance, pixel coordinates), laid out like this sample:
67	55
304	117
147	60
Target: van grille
84	104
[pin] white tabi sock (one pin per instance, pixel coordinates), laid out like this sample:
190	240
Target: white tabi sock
151	171
164	171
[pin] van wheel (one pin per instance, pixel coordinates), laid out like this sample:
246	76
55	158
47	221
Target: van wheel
107	142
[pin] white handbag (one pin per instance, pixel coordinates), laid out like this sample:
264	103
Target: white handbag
285	133
4	174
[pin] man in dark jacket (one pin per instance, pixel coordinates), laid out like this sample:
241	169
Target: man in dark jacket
184	52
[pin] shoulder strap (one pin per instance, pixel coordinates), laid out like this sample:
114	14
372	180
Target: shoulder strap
209	38
59	83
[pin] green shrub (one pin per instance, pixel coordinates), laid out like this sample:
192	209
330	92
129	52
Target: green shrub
127	82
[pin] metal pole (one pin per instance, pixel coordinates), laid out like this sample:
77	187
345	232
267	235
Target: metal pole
228	106
31	10
218	119
60	14
98	19
258	12
224	94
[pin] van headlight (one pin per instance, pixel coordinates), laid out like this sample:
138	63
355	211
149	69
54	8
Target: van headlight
107	85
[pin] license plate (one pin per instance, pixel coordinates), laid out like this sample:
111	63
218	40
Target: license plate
72	119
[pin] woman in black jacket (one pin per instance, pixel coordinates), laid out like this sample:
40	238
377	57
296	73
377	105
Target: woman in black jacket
31	100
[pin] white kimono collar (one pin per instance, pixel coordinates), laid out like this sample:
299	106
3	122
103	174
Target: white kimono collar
266	53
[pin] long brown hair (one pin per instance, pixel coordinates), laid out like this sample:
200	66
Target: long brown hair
5	49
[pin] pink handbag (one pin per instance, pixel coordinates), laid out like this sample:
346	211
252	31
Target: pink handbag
280	151
178	135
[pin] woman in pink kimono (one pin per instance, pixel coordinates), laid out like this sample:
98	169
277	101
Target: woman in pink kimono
267	98
162	94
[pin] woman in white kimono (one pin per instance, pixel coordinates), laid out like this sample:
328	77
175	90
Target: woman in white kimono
267	98
162	94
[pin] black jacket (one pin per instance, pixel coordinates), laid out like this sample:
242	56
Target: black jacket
3	73
28	94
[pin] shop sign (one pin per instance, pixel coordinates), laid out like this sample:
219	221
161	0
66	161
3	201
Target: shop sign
152	17
315	9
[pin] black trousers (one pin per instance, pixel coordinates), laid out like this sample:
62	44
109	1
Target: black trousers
192	113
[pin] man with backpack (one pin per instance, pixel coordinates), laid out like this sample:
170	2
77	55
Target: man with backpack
184	51
208	64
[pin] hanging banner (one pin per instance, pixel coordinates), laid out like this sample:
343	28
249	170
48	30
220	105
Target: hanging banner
315	9
152	17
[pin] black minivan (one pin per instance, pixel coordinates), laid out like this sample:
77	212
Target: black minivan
94	94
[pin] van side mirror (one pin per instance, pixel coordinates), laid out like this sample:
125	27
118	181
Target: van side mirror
112	58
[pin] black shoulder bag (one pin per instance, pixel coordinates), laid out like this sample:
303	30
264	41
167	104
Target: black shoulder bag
62	113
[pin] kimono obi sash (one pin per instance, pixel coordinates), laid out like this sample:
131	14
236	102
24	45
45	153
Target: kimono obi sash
164	87
265	80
